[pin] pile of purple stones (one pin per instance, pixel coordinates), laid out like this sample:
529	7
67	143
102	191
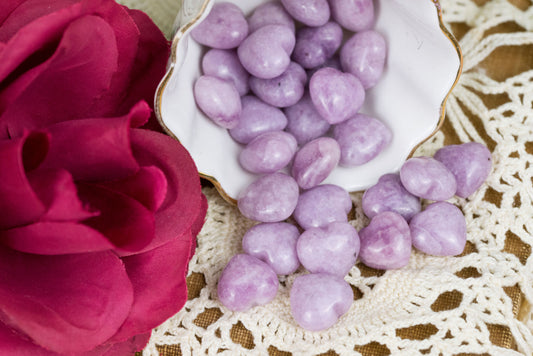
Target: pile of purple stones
308	86
288	87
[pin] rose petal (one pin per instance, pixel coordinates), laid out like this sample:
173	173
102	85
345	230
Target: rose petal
57	191
65	303
68	83
55	238
127	38
7	7
18	202
148	186
19	13
160	291
95	149
129	347
197	226
183	201
141	49
14	343
30	27
150	64
128	224
125	348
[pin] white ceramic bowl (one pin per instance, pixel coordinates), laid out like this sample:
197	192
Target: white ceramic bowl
423	64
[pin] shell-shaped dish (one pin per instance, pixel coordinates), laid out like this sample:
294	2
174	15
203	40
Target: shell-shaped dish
423	64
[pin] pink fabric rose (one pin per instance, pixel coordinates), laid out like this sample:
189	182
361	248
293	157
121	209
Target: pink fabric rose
65	59
97	228
98	217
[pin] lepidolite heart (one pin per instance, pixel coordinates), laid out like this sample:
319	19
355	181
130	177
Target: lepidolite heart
385	242
318	300
439	230
470	163
246	282
336	95
332	249
266	52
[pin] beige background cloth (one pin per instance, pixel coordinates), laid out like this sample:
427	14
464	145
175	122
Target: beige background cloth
478	303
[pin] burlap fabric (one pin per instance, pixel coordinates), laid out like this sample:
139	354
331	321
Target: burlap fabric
478	303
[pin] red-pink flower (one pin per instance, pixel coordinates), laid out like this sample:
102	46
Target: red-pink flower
97	227
65	59
98	217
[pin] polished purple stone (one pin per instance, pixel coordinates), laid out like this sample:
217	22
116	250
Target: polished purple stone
322	205
219	100
318	300
284	90
246	282
256	118
274	244
315	45
304	122
470	163
353	15
364	56
427	178
333	62
270	198
331	249
385	242
439	230
315	161
388	194
225	64
270	13
268	152
361	138
336	95
224	27
308	12
266	52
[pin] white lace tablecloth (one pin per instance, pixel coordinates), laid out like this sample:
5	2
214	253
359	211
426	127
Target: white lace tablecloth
477	303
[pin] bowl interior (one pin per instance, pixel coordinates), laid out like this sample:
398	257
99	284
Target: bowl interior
423	64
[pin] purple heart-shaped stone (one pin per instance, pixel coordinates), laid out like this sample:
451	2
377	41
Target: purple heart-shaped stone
353	15
336	95
315	45
309	12
266	52
388	194
270	198
224	64
439	230
385	242
275	244
319	300
332	249
321	205
470	163
246	282
256	118
225	27
428	178
270	13
284	90
364	56
315	161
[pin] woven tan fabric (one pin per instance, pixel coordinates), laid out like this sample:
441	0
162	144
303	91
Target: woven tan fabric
478	303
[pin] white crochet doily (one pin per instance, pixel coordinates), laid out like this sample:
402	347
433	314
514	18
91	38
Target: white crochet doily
475	303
